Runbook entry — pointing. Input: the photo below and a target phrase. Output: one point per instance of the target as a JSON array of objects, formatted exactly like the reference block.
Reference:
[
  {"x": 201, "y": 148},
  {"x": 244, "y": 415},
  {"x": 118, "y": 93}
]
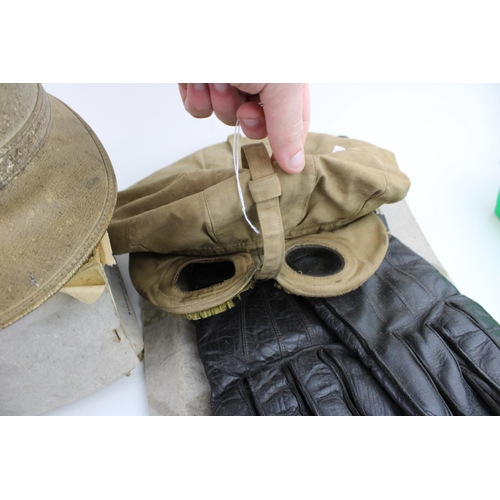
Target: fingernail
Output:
[
  {"x": 199, "y": 86},
  {"x": 251, "y": 122},
  {"x": 221, "y": 87},
  {"x": 297, "y": 163}
]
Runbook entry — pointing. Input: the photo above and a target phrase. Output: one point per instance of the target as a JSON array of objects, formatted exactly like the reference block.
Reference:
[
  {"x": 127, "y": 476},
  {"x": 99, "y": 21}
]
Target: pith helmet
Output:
[{"x": 57, "y": 194}]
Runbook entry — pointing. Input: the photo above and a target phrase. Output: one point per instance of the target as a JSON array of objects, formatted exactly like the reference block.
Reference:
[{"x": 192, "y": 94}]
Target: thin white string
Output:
[{"x": 236, "y": 161}]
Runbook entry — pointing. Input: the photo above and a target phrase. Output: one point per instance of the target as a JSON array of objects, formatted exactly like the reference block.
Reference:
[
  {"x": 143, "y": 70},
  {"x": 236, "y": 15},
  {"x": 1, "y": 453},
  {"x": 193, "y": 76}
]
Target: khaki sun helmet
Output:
[{"x": 57, "y": 194}]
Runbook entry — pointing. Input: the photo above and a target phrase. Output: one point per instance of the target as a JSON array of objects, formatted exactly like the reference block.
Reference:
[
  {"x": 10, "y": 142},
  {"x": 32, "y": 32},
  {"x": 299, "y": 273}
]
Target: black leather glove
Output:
[
  {"x": 434, "y": 350},
  {"x": 272, "y": 355}
]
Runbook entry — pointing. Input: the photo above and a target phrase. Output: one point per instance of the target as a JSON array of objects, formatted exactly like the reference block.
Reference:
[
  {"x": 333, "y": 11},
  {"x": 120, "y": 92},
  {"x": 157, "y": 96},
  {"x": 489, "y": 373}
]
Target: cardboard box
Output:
[{"x": 70, "y": 347}]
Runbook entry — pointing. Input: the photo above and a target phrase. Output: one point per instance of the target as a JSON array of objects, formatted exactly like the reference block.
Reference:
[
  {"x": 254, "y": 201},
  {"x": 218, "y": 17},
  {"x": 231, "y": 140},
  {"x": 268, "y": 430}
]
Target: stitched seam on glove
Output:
[
  {"x": 301, "y": 395},
  {"x": 275, "y": 325},
  {"x": 398, "y": 269},
  {"x": 469, "y": 370},
  {"x": 457, "y": 307},
  {"x": 398, "y": 293},
  {"x": 247, "y": 396},
  {"x": 369, "y": 357},
  {"x": 303, "y": 319},
  {"x": 457, "y": 347},
  {"x": 350, "y": 397},
  {"x": 447, "y": 398},
  {"x": 251, "y": 391},
  {"x": 243, "y": 330}
]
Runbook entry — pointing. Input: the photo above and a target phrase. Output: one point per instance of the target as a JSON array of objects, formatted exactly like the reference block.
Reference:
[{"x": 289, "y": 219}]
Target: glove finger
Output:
[
  {"x": 234, "y": 402},
  {"x": 484, "y": 390},
  {"x": 268, "y": 392},
  {"x": 275, "y": 392},
  {"x": 368, "y": 395},
  {"x": 443, "y": 368},
  {"x": 474, "y": 336},
  {"x": 323, "y": 389},
  {"x": 335, "y": 383},
  {"x": 390, "y": 360}
]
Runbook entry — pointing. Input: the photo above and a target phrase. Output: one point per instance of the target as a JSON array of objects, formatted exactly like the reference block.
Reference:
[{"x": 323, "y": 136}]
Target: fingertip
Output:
[
  {"x": 297, "y": 163},
  {"x": 293, "y": 165},
  {"x": 225, "y": 102},
  {"x": 252, "y": 120},
  {"x": 197, "y": 100},
  {"x": 221, "y": 87},
  {"x": 254, "y": 128}
]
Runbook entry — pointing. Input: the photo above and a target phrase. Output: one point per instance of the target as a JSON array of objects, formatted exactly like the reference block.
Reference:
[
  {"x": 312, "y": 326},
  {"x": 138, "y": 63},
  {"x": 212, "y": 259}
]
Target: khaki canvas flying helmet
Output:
[{"x": 193, "y": 252}]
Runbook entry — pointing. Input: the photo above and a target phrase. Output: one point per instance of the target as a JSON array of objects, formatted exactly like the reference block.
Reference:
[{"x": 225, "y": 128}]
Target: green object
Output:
[{"x": 497, "y": 209}]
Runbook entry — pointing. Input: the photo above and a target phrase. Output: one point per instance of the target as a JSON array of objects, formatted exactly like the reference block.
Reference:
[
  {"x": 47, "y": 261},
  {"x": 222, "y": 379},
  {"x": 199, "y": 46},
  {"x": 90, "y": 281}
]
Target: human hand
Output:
[{"x": 279, "y": 111}]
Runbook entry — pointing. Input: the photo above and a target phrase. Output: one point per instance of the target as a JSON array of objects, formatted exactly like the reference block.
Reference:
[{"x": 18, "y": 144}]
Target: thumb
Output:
[{"x": 286, "y": 111}]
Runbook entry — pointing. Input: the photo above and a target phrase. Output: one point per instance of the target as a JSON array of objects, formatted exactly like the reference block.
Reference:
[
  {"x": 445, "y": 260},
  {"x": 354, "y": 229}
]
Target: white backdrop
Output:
[{"x": 445, "y": 137}]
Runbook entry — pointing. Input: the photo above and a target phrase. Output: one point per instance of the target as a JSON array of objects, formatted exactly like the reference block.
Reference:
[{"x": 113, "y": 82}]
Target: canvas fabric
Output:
[
  {"x": 57, "y": 195},
  {"x": 192, "y": 250}
]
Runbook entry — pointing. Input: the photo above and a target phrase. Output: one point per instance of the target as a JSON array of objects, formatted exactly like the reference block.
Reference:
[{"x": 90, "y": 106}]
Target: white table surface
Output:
[{"x": 445, "y": 137}]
